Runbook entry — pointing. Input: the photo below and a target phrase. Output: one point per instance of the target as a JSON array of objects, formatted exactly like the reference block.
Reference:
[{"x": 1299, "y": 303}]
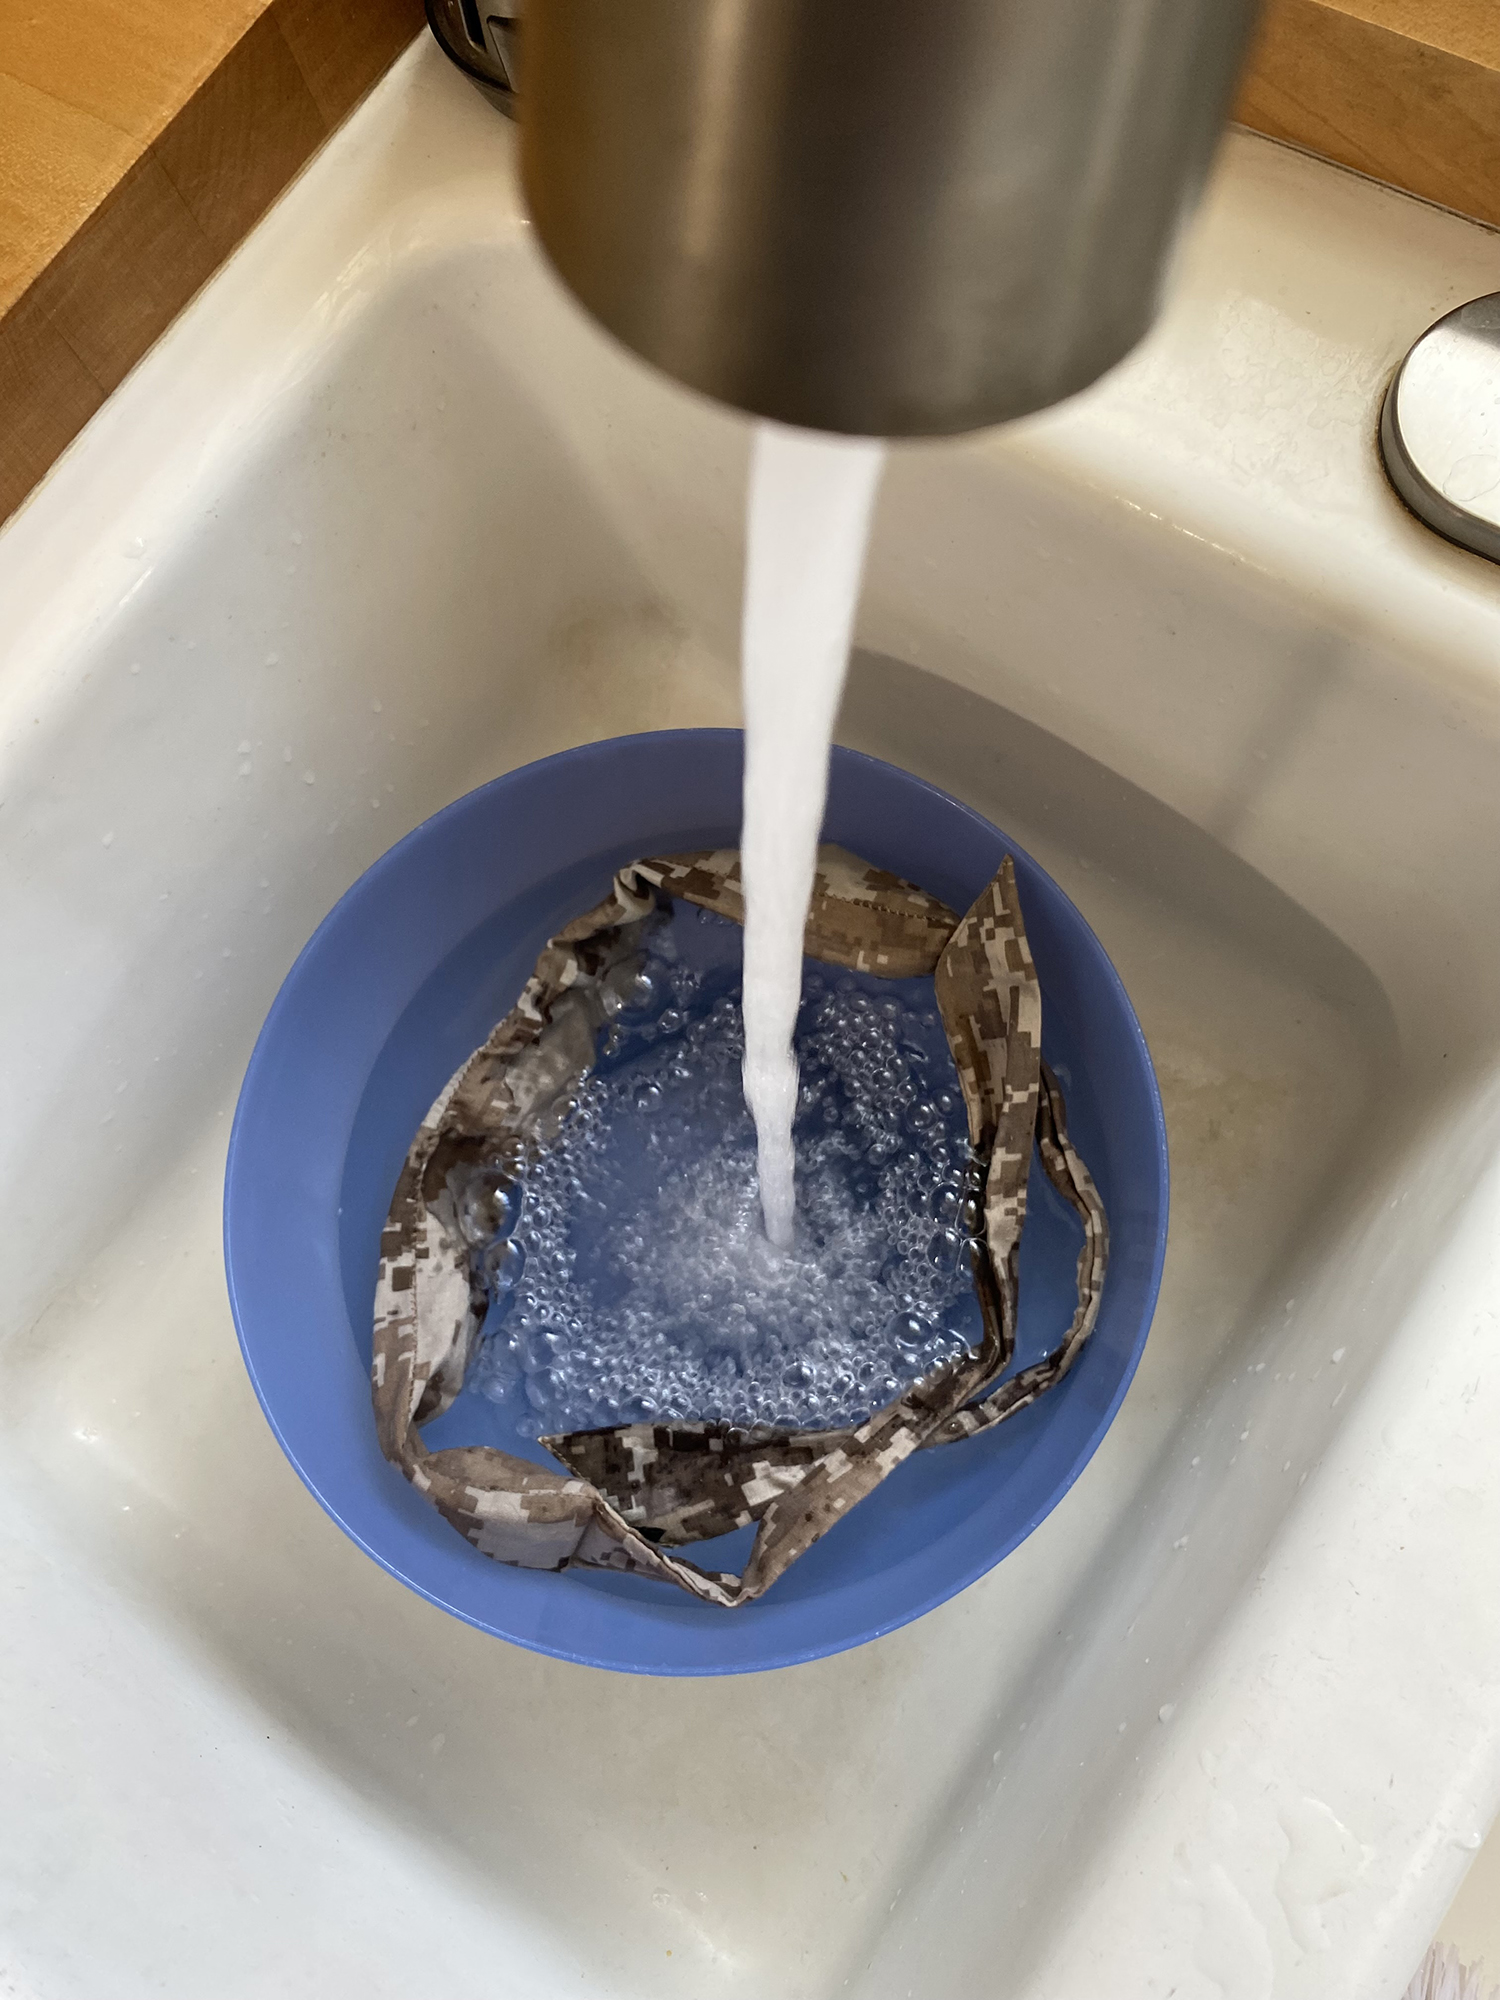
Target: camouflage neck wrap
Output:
[{"x": 633, "y": 1493}]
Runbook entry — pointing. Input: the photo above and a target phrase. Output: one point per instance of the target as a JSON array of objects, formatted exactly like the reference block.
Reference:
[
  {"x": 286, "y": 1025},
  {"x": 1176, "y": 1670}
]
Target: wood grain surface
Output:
[
  {"x": 138, "y": 144},
  {"x": 1405, "y": 90}
]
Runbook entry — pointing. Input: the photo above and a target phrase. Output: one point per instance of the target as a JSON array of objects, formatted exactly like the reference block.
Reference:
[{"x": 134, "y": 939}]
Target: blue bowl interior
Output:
[{"x": 409, "y": 973}]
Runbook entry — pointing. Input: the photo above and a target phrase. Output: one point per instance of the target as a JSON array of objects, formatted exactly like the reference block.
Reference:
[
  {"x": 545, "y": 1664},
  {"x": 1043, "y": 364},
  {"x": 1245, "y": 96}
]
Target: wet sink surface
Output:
[{"x": 381, "y": 519}]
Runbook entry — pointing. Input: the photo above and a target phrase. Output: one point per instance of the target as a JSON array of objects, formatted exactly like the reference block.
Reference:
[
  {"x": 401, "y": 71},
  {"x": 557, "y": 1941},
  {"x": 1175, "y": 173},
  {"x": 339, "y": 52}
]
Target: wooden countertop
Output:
[
  {"x": 1407, "y": 91},
  {"x": 140, "y": 142}
]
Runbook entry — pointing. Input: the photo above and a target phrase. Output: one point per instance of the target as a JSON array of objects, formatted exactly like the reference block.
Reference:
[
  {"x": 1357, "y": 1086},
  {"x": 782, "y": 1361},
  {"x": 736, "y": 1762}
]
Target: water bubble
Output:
[
  {"x": 537, "y": 1348},
  {"x": 502, "y": 1266},
  {"x": 485, "y": 1201},
  {"x": 910, "y": 1332},
  {"x": 944, "y": 1248},
  {"x": 543, "y": 1391},
  {"x": 637, "y": 991}
]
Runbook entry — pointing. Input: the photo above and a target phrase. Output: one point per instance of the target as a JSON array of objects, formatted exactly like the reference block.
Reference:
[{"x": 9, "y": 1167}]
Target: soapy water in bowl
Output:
[
  {"x": 631, "y": 1278},
  {"x": 759, "y": 1209}
]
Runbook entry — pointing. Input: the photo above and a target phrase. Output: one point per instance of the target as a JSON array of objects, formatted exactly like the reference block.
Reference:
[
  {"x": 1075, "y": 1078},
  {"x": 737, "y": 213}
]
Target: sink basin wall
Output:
[{"x": 384, "y": 510}]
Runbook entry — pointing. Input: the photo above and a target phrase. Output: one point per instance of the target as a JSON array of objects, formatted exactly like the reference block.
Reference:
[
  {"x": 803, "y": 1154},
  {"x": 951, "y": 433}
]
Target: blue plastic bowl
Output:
[{"x": 409, "y": 973}]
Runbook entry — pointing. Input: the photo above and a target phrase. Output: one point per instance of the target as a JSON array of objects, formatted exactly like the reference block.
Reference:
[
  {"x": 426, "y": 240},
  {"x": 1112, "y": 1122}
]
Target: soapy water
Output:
[{"x": 630, "y": 1278}]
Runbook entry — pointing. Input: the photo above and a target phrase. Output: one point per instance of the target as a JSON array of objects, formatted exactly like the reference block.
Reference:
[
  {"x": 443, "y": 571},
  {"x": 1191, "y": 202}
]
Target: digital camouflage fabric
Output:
[{"x": 628, "y": 1497}]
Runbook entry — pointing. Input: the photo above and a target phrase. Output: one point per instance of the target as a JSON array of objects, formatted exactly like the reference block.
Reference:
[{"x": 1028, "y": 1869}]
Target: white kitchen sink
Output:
[{"x": 382, "y": 517}]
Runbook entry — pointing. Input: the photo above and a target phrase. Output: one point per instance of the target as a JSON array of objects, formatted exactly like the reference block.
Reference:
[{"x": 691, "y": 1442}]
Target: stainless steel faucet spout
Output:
[{"x": 873, "y": 216}]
